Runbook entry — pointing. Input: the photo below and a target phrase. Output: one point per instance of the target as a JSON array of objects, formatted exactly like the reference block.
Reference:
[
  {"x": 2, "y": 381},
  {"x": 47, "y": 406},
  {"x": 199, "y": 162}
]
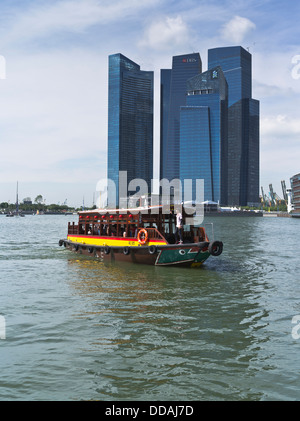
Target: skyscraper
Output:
[
  {"x": 130, "y": 122},
  {"x": 243, "y": 124},
  {"x": 203, "y": 135},
  {"x": 173, "y": 93}
]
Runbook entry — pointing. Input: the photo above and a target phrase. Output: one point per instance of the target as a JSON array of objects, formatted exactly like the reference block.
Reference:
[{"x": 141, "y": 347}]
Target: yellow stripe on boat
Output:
[{"x": 111, "y": 241}]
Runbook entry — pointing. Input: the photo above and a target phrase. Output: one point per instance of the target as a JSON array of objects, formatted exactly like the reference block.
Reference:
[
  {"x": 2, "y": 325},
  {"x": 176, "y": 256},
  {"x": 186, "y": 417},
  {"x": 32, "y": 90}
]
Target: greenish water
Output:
[{"x": 80, "y": 329}]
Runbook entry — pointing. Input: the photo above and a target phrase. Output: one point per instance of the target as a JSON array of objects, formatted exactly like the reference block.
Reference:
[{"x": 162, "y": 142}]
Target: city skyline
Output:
[
  {"x": 209, "y": 126},
  {"x": 53, "y": 93}
]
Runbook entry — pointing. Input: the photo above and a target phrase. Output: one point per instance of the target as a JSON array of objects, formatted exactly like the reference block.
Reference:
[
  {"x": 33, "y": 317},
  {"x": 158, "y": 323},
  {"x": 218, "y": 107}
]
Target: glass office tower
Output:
[
  {"x": 165, "y": 91},
  {"x": 173, "y": 93},
  {"x": 243, "y": 124},
  {"x": 203, "y": 135},
  {"x": 130, "y": 122}
]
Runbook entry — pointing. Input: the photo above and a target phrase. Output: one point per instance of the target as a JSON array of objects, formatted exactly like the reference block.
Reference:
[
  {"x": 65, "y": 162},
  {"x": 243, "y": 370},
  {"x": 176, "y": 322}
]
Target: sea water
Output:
[{"x": 73, "y": 328}]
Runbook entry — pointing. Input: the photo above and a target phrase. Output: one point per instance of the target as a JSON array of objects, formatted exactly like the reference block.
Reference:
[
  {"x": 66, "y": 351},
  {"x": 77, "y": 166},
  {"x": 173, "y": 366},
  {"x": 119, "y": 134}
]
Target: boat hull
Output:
[{"x": 190, "y": 255}]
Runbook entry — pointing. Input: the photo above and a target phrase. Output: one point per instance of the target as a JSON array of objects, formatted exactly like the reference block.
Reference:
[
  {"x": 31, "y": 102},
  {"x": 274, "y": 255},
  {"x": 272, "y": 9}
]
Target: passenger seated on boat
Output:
[
  {"x": 113, "y": 231},
  {"x": 89, "y": 231}
]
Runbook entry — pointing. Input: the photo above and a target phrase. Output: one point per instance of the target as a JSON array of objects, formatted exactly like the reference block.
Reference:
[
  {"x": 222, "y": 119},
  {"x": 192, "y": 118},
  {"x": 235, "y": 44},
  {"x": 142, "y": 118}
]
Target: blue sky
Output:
[{"x": 53, "y": 89}]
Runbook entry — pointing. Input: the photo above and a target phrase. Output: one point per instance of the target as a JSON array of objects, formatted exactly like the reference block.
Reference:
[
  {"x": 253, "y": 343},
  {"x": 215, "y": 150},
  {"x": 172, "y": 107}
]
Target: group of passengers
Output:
[{"x": 110, "y": 230}]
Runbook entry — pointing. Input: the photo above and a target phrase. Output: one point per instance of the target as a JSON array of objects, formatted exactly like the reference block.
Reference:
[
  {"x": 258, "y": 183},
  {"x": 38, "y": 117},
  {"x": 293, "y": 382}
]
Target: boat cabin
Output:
[{"x": 127, "y": 223}]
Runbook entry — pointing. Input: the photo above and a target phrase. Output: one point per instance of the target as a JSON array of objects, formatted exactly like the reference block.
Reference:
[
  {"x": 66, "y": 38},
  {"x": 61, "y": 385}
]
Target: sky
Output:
[{"x": 54, "y": 82}]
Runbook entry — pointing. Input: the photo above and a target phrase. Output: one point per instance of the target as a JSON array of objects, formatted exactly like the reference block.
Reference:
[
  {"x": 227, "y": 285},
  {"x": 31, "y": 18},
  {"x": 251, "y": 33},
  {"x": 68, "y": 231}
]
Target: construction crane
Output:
[
  {"x": 265, "y": 201},
  {"x": 262, "y": 197},
  {"x": 271, "y": 194},
  {"x": 285, "y": 196},
  {"x": 275, "y": 199}
]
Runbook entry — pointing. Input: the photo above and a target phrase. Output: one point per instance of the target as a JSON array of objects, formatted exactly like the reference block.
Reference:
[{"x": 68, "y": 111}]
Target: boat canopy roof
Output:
[
  {"x": 124, "y": 210},
  {"x": 186, "y": 209}
]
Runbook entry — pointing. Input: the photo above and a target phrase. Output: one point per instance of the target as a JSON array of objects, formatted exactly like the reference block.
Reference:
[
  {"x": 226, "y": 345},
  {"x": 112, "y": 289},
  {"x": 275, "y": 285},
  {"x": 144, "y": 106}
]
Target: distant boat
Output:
[{"x": 17, "y": 212}]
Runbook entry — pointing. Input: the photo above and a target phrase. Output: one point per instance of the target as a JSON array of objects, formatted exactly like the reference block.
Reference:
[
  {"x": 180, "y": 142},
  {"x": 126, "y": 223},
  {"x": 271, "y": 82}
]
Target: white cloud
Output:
[
  {"x": 280, "y": 142},
  {"x": 54, "y": 110},
  {"x": 274, "y": 71},
  {"x": 236, "y": 29},
  {"x": 68, "y": 16},
  {"x": 165, "y": 33},
  {"x": 281, "y": 126}
]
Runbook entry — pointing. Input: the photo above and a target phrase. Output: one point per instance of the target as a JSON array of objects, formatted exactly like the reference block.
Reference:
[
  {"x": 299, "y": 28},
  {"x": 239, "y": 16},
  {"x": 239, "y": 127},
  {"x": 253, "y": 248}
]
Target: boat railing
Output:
[
  {"x": 199, "y": 235},
  {"x": 154, "y": 234},
  {"x": 212, "y": 235},
  {"x": 72, "y": 228}
]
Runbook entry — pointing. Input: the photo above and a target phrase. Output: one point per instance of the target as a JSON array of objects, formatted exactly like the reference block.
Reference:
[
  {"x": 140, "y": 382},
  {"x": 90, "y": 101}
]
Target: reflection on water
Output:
[{"x": 172, "y": 324}]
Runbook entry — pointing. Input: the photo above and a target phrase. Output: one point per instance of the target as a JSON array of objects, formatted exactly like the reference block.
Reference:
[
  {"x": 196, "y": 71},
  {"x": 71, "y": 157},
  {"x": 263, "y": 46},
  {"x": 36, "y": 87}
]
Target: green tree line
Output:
[{"x": 39, "y": 205}]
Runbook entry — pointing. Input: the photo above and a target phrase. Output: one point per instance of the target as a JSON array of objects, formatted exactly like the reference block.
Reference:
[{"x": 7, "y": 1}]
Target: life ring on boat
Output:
[
  {"x": 90, "y": 249},
  {"x": 215, "y": 248},
  {"x": 142, "y": 236},
  {"x": 152, "y": 249},
  {"x": 106, "y": 250},
  {"x": 126, "y": 250}
]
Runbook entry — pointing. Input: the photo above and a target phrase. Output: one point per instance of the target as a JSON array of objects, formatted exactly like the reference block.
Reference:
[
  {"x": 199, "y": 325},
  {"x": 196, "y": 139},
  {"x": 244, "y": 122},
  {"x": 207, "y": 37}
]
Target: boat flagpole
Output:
[{"x": 17, "y": 200}]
